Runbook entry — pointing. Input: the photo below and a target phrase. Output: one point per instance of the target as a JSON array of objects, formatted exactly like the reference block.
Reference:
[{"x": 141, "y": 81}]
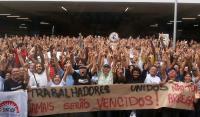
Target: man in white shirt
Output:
[
  {"x": 39, "y": 79},
  {"x": 105, "y": 76},
  {"x": 151, "y": 77}
]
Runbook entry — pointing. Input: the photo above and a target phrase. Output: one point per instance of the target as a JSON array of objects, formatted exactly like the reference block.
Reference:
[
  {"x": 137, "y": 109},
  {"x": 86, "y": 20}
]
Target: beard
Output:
[{"x": 39, "y": 71}]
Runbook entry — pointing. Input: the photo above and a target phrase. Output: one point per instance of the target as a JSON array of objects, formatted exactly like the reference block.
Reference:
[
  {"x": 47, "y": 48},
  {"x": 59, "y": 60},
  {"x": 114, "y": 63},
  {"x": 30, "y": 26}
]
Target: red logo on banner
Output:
[{"x": 9, "y": 106}]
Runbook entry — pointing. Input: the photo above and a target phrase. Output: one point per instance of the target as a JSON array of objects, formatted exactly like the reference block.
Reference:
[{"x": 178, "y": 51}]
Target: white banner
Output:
[{"x": 13, "y": 104}]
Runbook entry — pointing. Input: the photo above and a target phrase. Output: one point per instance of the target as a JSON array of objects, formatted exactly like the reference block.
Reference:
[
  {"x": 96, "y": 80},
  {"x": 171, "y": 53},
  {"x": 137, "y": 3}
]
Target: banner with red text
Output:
[{"x": 47, "y": 101}]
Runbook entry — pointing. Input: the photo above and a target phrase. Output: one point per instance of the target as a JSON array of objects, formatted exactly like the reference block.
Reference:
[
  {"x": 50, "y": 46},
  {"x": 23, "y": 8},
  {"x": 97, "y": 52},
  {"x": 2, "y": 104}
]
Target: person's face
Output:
[
  {"x": 10, "y": 56},
  {"x": 172, "y": 75},
  {"x": 187, "y": 78},
  {"x": 136, "y": 74},
  {"x": 176, "y": 67},
  {"x": 21, "y": 71},
  {"x": 83, "y": 71},
  {"x": 120, "y": 72},
  {"x": 153, "y": 71},
  {"x": 32, "y": 67},
  {"x": 15, "y": 74},
  {"x": 106, "y": 70},
  {"x": 135, "y": 58},
  {"x": 66, "y": 64},
  {"x": 65, "y": 67},
  {"x": 57, "y": 80},
  {"x": 186, "y": 69},
  {"x": 38, "y": 68},
  {"x": 80, "y": 62},
  {"x": 131, "y": 67}
]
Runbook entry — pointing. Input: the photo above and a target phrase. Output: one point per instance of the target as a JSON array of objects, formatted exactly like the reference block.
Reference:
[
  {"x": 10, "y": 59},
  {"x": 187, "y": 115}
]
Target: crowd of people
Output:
[{"x": 30, "y": 62}]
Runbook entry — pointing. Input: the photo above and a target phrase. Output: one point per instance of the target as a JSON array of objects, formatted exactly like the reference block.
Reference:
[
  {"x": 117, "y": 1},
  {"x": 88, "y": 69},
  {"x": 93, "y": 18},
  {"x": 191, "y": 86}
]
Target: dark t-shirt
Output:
[
  {"x": 11, "y": 85},
  {"x": 2, "y": 74},
  {"x": 130, "y": 79},
  {"x": 119, "y": 80},
  {"x": 81, "y": 80}
]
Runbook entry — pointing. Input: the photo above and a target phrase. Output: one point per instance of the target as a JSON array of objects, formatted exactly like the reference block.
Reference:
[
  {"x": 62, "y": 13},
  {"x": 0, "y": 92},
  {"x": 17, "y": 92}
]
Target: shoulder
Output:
[{"x": 7, "y": 81}]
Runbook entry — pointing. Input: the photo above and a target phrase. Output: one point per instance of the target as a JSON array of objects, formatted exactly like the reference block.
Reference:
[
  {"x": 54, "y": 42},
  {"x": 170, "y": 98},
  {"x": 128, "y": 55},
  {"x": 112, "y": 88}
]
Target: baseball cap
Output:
[{"x": 106, "y": 65}]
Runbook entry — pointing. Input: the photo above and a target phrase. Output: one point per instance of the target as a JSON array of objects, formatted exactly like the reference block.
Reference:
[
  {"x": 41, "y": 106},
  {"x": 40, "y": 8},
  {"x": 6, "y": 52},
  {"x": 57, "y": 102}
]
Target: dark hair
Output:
[
  {"x": 186, "y": 73},
  {"x": 136, "y": 69},
  {"x": 119, "y": 68},
  {"x": 56, "y": 75},
  {"x": 118, "y": 79},
  {"x": 172, "y": 69},
  {"x": 153, "y": 66}
]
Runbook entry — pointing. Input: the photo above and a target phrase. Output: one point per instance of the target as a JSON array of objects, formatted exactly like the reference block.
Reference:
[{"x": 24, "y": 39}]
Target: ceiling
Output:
[{"x": 95, "y": 17}]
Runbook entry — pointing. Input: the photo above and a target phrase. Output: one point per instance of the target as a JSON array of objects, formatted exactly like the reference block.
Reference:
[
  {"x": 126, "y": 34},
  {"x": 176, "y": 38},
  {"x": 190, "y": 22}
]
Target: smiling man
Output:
[{"x": 17, "y": 81}]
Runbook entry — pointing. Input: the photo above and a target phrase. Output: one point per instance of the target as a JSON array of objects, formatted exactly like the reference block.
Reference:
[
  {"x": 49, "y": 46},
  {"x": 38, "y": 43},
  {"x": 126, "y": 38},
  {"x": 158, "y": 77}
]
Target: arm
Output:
[
  {"x": 163, "y": 72},
  {"x": 26, "y": 77},
  {"x": 21, "y": 60},
  {"x": 94, "y": 65},
  {"x": 65, "y": 75},
  {"x": 32, "y": 55},
  {"x": 46, "y": 66},
  {"x": 3, "y": 62},
  {"x": 153, "y": 51},
  {"x": 100, "y": 60}
]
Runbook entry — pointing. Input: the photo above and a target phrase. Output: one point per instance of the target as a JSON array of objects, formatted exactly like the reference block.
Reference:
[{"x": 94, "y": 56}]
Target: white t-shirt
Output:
[
  {"x": 41, "y": 79},
  {"x": 152, "y": 80},
  {"x": 30, "y": 73},
  {"x": 103, "y": 80},
  {"x": 61, "y": 84}
]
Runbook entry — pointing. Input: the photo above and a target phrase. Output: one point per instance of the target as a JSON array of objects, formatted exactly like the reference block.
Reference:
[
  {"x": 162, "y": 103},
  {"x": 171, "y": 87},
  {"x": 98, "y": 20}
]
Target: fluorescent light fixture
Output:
[
  {"x": 22, "y": 18},
  {"x": 23, "y": 24},
  {"x": 64, "y": 8},
  {"x": 5, "y": 14},
  {"x": 176, "y": 21},
  {"x": 169, "y": 23},
  {"x": 196, "y": 25},
  {"x": 22, "y": 27},
  {"x": 44, "y": 23},
  {"x": 188, "y": 18},
  {"x": 13, "y": 16},
  {"x": 126, "y": 9}
]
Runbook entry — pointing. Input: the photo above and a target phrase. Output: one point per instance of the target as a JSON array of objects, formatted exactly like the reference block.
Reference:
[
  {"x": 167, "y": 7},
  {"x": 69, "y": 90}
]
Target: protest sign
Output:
[{"x": 47, "y": 101}]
